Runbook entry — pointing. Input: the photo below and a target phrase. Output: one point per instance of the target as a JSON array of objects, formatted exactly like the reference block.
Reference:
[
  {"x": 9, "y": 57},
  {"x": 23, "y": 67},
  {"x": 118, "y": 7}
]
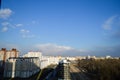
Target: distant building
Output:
[
  {"x": 21, "y": 67},
  {"x": 88, "y": 57},
  {"x": 5, "y": 54},
  {"x": 108, "y": 57},
  {"x": 116, "y": 57},
  {"x": 80, "y": 57},
  {"x": 71, "y": 58},
  {"x": 33, "y": 54}
]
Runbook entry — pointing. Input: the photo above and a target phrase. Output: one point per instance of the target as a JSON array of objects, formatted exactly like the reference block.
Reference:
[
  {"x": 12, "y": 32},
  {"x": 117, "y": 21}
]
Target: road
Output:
[{"x": 77, "y": 74}]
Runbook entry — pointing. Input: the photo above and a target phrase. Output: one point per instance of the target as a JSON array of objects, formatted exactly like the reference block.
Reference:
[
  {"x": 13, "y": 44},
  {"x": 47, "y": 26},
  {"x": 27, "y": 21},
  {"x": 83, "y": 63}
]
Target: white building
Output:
[
  {"x": 48, "y": 60},
  {"x": 33, "y": 54},
  {"x": 71, "y": 58},
  {"x": 108, "y": 57}
]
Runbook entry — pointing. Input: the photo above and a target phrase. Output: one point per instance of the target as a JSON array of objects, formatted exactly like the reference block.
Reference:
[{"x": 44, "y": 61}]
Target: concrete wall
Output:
[{"x": 21, "y": 67}]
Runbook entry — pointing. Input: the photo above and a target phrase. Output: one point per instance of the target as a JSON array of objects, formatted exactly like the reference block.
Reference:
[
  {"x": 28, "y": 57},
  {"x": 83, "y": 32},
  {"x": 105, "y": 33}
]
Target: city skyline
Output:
[{"x": 61, "y": 27}]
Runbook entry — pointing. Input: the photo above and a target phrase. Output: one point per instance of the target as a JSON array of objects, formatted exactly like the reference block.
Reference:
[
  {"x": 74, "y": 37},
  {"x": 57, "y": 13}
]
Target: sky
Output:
[{"x": 61, "y": 27}]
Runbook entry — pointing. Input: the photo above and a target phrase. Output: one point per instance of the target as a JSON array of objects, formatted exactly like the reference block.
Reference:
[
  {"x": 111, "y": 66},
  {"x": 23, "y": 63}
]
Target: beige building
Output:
[{"x": 5, "y": 54}]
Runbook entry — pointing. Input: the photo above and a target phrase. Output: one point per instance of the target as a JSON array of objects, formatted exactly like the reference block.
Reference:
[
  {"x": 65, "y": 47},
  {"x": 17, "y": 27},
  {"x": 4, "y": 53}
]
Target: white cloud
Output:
[
  {"x": 26, "y": 33},
  {"x": 9, "y": 24},
  {"x": 5, "y": 13},
  {"x": 53, "y": 46},
  {"x": 4, "y": 29},
  {"x": 6, "y": 26},
  {"x": 53, "y": 49},
  {"x": 18, "y": 25},
  {"x": 108, "y": 23}
]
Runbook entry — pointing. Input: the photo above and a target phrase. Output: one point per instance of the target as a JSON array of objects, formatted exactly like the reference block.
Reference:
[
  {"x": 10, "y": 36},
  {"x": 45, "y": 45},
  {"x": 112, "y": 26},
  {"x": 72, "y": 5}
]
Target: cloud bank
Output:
[{"x": 57, "y": 50}]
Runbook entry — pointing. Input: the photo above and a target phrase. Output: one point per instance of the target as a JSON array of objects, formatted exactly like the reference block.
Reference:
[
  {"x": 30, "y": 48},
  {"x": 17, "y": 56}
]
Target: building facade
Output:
[
  {"x": 5, "y": 54},
  {"x": 21, "y": 67}
]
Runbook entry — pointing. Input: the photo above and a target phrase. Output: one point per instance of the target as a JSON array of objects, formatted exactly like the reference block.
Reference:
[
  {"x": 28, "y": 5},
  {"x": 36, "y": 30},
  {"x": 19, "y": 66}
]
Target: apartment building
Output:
[{"x": 5, "y": 54}]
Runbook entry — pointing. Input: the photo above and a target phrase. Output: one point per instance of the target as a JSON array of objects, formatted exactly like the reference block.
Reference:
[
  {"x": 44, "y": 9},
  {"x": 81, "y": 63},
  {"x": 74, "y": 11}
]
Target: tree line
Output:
[{"x": 106, "y": 69}]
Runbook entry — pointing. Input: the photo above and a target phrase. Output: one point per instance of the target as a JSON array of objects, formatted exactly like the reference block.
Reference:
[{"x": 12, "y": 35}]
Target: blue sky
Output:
[{"x": 61, "y": 27}]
